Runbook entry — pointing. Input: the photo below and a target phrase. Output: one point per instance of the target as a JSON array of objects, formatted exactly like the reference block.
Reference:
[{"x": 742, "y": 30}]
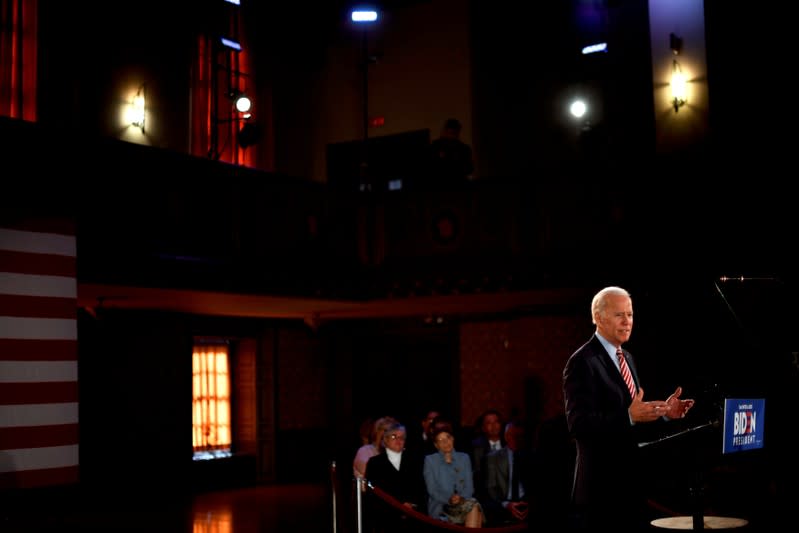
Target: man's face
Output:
[
  {"x": 615, "y": 322},
  {"x": 450, "y": 133},
  {"x": 428, "y": 420},
  {"x": 492, "y": 427}
]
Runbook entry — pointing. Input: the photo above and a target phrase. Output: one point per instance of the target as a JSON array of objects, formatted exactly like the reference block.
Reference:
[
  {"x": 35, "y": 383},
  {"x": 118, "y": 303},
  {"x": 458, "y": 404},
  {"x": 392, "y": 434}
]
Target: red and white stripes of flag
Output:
[{"x": 38, "y": 354}]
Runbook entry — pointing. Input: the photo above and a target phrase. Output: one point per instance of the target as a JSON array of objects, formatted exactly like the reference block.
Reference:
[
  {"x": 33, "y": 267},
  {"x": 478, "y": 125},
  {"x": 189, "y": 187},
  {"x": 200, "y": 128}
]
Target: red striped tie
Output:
[{"x": 625, "y": 372}]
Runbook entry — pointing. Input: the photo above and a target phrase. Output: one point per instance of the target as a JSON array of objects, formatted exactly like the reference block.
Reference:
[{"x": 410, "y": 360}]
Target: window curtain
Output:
[{"x": 18, "y": 59}]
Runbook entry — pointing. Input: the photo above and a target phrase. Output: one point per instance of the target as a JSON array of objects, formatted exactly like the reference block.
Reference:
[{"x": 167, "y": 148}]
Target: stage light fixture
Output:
[
  {"x": 243, "y": 103},
  {"x": 363, "y": 14},
  {"x": 230, "y": 43}
]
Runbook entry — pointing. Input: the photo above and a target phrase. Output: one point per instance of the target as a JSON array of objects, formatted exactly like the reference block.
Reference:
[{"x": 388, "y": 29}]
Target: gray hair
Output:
[
  {"x": 600, "y": 300},
  {"x": 392, "y": 429}
]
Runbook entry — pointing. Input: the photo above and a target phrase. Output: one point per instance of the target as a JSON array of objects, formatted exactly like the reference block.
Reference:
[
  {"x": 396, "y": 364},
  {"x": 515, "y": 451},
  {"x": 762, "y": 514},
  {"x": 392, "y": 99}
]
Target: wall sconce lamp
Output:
[
  {"x": 137, "y": 109},
  {"x": 679, "y": 85}
]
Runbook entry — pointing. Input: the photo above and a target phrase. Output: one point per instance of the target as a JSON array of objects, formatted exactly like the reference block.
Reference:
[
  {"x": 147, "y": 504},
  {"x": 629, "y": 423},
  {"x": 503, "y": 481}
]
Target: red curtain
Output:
[
  {"x": 18, "y": 59},
  {"x": 201, "y": 100},
  {"x": 219, "y": 71}
]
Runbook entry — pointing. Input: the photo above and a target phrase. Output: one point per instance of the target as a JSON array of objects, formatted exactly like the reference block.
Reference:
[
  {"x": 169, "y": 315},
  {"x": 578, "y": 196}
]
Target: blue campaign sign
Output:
[{"x": 743, "y": 424}]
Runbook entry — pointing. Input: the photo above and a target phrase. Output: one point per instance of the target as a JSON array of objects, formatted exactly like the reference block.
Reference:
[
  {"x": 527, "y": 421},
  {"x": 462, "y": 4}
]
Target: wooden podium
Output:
[{"x": 710, "y": 522}]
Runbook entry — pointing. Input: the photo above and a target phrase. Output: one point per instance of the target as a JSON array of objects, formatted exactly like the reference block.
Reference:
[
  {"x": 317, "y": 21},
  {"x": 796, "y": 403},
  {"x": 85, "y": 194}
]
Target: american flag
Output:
[{"x": 38, "y": 354}]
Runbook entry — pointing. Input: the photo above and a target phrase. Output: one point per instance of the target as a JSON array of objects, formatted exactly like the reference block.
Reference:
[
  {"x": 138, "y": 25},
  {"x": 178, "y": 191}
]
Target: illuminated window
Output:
[
  {"x": 219, "y": 521},
  {"x": 211, "y": 401}
]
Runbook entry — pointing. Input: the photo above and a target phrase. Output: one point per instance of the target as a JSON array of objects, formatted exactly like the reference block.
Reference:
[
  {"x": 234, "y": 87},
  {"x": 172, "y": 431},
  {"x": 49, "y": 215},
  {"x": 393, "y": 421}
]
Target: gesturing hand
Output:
[
  {"x": 641, "y": 411},
  {"x": 675, "y": 407}
]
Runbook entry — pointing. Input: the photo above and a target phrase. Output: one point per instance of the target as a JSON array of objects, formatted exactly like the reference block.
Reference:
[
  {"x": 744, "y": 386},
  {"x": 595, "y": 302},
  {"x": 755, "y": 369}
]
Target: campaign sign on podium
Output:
[{"x": 743, "y": 424}]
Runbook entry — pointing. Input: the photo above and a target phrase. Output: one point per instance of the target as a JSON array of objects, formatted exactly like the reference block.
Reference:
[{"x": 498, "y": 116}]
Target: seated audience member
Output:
[
  {"x": 422, "y": 442},
  {"x": 398, "y": 472},
  {"x": 507, "y": 478},
  {"x": 374, "y": 447},
  {"x": 489, "y": 438},
  {"x": 365, "y": 431},
  {"x": 449, "y": 482}
]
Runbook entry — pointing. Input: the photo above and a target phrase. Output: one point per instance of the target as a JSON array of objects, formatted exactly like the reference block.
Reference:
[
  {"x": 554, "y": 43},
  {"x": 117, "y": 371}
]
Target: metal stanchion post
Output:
[
  {"x": 334, "y": 484},
  {"x": 359, "y": 486}
]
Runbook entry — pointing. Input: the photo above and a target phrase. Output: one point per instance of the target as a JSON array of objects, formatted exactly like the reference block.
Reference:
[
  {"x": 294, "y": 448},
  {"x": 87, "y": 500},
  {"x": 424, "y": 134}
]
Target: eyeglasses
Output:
[
  {"x": 442, "y": 438},
  {"x": 396, "y": 437}
]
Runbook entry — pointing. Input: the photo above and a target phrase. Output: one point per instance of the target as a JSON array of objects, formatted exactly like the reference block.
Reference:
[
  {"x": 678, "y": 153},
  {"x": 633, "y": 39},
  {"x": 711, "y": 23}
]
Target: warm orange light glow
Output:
[
  {"x": 220, "y": 521},
  {"x": 679, "y": 86},
  {"x": 211, "y": 398}
]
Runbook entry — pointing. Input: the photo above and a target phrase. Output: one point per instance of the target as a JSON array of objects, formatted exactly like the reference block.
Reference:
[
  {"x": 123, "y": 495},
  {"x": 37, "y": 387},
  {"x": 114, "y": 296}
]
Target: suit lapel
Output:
[{"x": 504, "y": 469}]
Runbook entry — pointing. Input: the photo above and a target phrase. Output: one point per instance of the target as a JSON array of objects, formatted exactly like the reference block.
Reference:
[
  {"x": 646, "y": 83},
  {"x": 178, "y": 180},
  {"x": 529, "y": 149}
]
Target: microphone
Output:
[{"x": 709, "y": 424}]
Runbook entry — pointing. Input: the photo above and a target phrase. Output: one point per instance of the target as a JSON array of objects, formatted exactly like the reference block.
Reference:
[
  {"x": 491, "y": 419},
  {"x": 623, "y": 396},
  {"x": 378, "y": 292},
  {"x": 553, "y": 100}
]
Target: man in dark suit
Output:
[
  {"x": 421, "y": 443},
  {"x": 508, "y": 479},
  {"x": 397, "y": 472},
  {"x": 604, "y": 412},
  {"x": 490, "y": 426}
]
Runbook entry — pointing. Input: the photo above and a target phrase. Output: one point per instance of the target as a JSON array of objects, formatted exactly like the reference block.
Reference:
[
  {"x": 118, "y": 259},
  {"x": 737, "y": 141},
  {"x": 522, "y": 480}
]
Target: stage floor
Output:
[{"x": 273, "y": 508}]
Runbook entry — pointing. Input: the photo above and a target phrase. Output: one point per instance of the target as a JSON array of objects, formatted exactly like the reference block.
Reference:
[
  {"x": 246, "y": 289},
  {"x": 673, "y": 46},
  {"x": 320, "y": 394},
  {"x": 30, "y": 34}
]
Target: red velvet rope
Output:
[{"x": 413, "y": 513}]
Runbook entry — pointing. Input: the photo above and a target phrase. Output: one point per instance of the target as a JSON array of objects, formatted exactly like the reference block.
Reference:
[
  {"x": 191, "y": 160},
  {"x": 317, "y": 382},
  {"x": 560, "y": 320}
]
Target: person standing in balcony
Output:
[{"x": 450, "y": 159}]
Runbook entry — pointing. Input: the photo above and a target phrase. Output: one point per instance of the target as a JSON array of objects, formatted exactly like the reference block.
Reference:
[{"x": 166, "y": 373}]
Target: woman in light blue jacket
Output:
[{"x": 450, "y": 487}]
